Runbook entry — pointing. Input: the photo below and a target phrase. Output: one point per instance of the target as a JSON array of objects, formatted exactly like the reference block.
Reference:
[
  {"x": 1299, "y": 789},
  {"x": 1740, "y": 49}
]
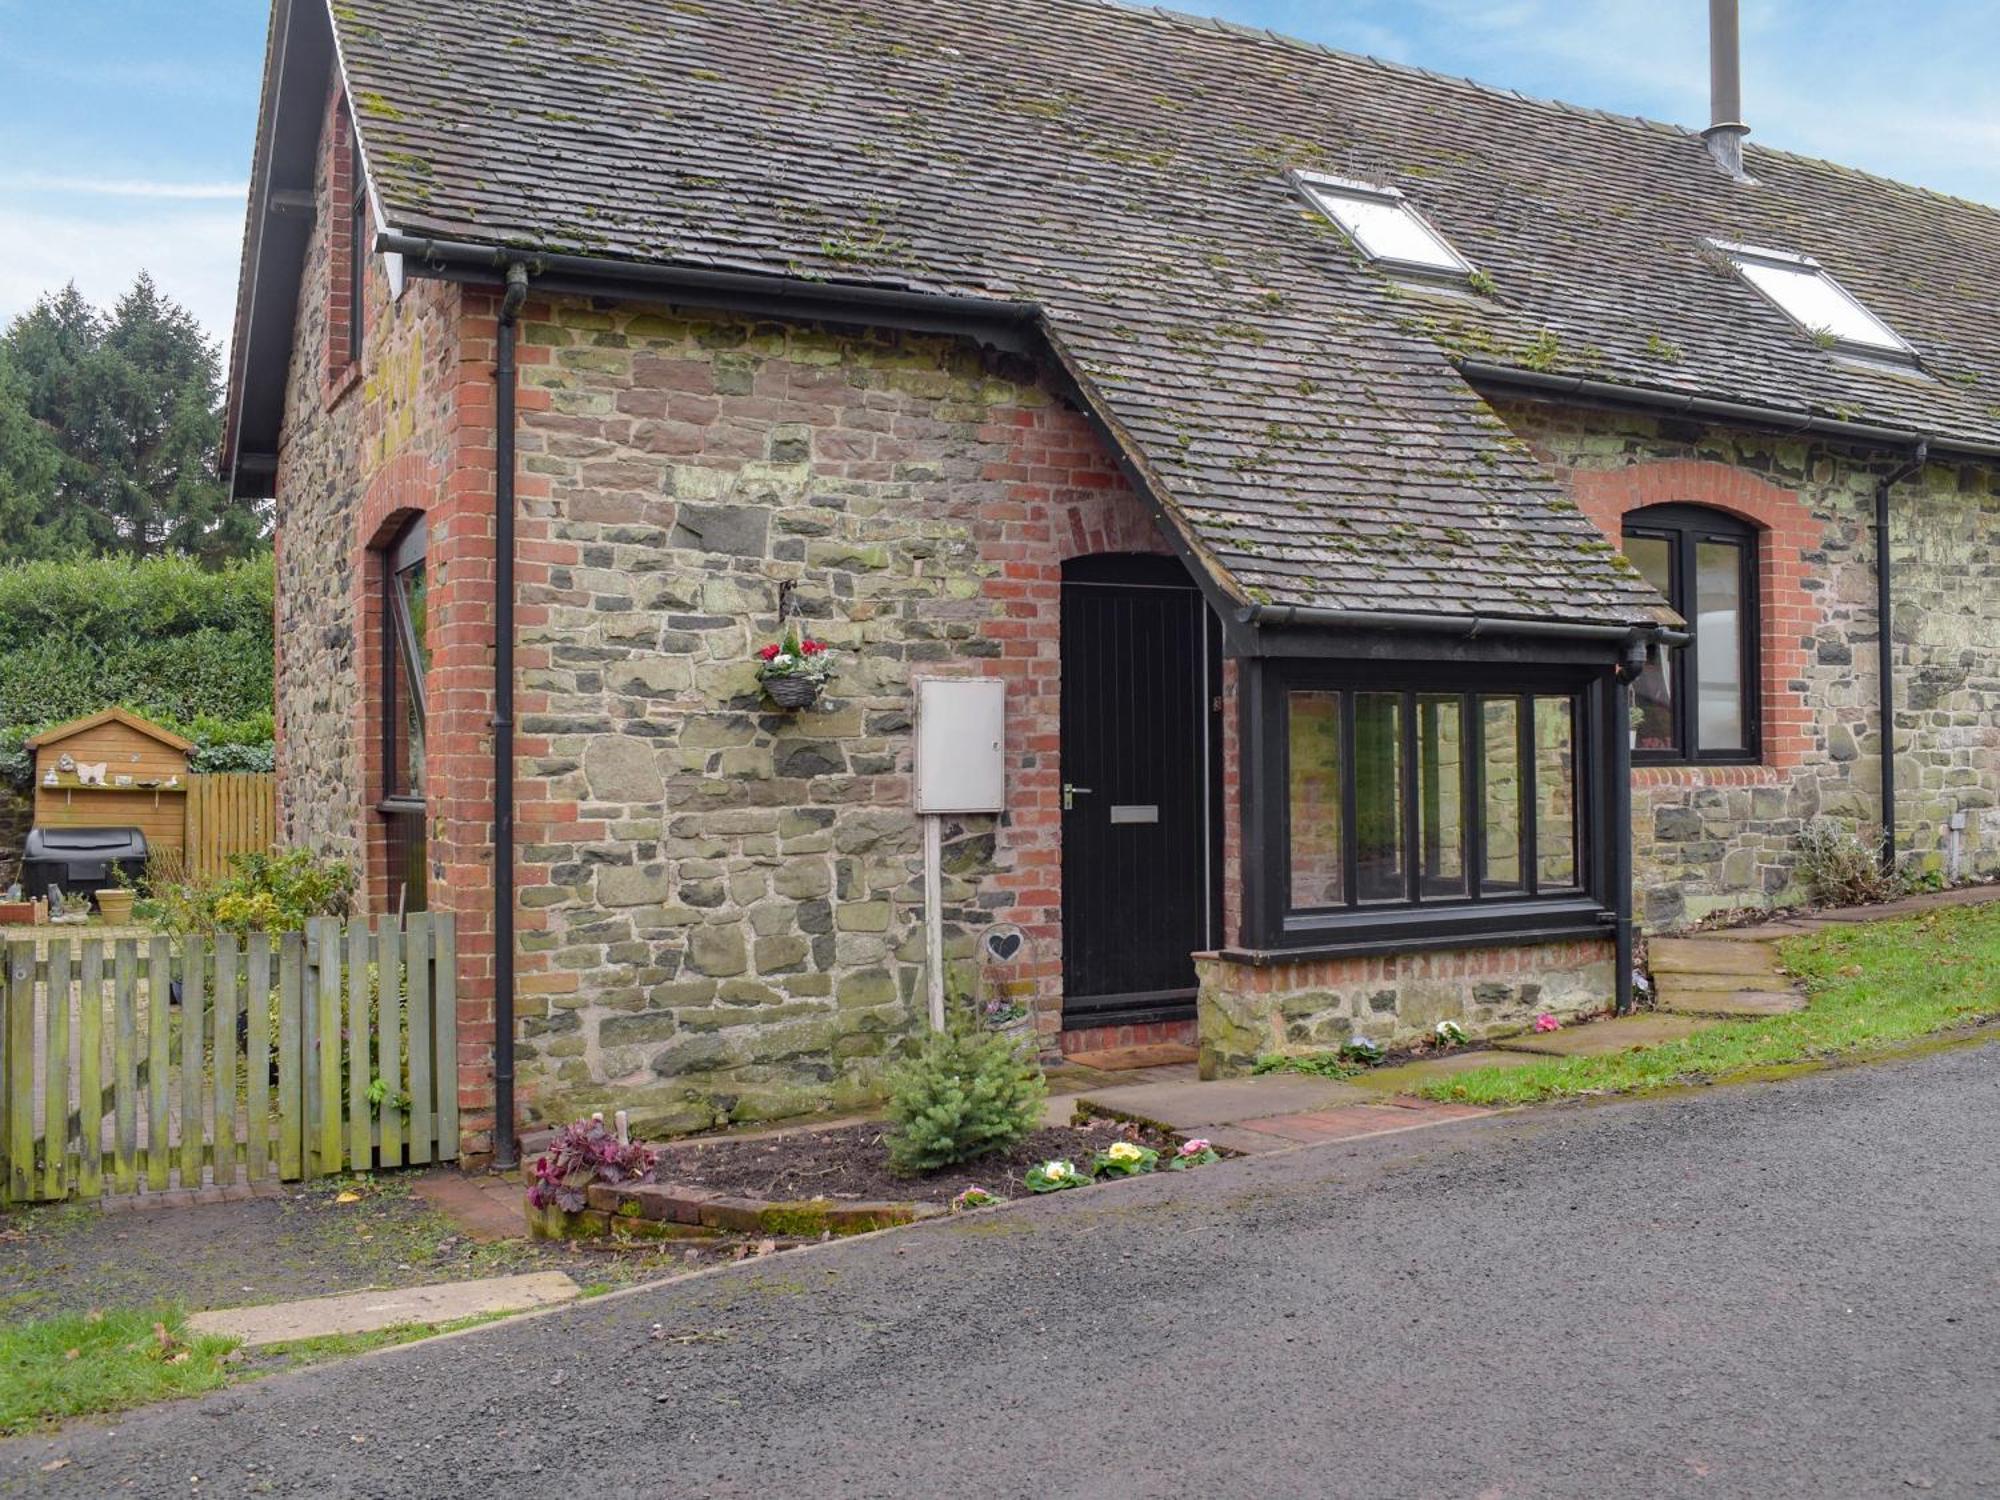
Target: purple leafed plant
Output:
[{"x": 582, "y": 1153}]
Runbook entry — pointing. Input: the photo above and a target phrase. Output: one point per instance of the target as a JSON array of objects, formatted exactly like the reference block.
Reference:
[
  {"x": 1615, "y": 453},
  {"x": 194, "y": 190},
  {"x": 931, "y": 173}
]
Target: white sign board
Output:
[{"x": 961, "y": 744}]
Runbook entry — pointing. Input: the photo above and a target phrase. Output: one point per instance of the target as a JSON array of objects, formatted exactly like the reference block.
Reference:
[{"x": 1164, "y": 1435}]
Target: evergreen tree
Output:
[{"x": 131, "y": 404}]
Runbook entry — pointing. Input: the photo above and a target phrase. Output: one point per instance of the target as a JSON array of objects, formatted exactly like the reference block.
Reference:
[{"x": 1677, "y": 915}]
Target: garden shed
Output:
[{"x": 113, "y": 769}]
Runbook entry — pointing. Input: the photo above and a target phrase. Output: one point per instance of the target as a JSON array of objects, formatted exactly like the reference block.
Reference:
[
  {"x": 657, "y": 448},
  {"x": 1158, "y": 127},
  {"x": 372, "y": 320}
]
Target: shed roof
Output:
[{"x": 109, "y": 716}]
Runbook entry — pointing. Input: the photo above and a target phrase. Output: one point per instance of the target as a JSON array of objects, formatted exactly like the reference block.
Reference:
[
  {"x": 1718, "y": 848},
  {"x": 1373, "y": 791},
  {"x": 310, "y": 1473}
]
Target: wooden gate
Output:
[
  {"x": 191, "y": 1061},
  {"x": 229, "y": 813}
]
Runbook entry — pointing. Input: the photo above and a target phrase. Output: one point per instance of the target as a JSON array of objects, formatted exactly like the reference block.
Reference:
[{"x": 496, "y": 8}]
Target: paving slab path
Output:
[{"x": 366, "y": 1312}]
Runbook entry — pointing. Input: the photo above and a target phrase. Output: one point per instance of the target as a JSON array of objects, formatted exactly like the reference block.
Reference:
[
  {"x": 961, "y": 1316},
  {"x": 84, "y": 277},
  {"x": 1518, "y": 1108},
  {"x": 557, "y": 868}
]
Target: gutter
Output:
[
  {"x": 505, "y": 382},
  {"x": 1467, "y": 626},
  {"x": 1884, "y": 651},
  {"x": 1008, "y": 324},
  {"x": 1680, "y": 403}
]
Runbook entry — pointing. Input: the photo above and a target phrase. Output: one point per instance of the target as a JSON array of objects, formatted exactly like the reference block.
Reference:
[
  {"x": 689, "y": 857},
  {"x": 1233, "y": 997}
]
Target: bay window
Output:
[{"x": 1390, "y": 804}]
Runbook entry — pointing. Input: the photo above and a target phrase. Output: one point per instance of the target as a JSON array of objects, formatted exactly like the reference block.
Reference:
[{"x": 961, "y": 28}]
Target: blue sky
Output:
[{"x": 125, "y": 125}]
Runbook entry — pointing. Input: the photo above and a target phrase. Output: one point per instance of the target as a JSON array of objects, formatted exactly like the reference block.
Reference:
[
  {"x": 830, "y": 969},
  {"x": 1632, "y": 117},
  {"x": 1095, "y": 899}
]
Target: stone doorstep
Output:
[
  {"x": 367, "y": 1312},
  {"x": 1735, "y": 1004},
  {"x": 1603, "y": 1038},
  {"x": 1712, "y": 955},
  {"x": 1715, "y": 983}
]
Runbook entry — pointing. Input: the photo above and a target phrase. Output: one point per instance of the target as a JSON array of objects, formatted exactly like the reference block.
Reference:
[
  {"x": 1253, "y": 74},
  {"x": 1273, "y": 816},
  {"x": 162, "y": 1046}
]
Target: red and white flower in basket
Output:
[{"x": 795, "y": 656}]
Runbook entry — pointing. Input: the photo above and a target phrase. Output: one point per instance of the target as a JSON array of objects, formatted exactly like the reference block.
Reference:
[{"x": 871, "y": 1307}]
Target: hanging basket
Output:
[{"x": 793, "y": 692}]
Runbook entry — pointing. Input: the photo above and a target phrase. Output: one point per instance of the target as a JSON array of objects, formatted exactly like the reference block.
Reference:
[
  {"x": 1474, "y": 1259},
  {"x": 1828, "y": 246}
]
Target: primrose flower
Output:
[
  {"x": 1194, "y": 1147},
  {"x": 1124, "y": 1151},
  {"x": 1547, "y": 1022},
  {"x": 1058, "y": 1171}
]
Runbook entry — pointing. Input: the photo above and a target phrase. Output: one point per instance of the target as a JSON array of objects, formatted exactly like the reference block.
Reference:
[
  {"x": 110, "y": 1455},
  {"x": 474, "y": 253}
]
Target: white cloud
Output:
[{"x": 191, "y": 253}]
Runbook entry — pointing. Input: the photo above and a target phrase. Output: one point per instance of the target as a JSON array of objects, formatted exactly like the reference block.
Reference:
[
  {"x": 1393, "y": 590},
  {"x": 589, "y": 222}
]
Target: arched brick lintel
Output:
[{"x": 1788, "y": 613}]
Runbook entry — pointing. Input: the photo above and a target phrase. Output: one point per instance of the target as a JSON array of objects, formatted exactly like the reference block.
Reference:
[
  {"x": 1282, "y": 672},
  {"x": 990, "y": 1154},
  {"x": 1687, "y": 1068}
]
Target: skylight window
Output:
[
  {"x": 1384, "y": 224},
  {"x": 1805, "y": 293}
]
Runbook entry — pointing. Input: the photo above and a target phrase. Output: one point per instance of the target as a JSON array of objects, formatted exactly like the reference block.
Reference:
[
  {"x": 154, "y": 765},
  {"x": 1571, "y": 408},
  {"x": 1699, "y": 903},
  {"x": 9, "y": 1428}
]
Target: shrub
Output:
[
  {"x": 1838, "y": 869},
  {"x": 262, "y": 893},
  {"x": 582, "y": 1153},
  {"x": 967, "y": 1092}
]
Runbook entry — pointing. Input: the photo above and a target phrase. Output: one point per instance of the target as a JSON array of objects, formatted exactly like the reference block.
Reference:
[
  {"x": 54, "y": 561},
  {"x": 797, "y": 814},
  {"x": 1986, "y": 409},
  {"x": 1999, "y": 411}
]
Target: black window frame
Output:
[
  {"x": 1684, "y": 527},
  {"x": 1271, "y": 924},
  {"x": 404, "y": 809}
]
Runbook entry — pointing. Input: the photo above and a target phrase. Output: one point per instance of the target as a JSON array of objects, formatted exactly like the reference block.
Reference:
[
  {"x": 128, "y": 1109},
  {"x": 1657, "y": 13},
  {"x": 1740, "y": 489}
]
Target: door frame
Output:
[{"x": 1160, "y": 570}]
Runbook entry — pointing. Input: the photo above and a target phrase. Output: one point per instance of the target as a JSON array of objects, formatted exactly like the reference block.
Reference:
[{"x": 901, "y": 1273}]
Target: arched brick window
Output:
[
  {"x": 1699, "y": 704},
  {"x": 1786, "y": 534}
]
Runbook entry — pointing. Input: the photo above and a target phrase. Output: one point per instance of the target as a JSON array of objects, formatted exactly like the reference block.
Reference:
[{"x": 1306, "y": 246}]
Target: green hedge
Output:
[{"x": 187, "y": 647}]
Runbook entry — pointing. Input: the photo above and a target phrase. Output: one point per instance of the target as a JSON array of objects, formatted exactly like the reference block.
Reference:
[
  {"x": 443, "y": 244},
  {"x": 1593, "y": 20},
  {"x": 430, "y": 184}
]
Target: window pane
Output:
[
  {"x": 1500, "y": 721},
  {"x": 1819, "y": 303},
  {"x": 1718, "y": 626},
  {"x": 1388, "y": 230},
  {"x": 1314, "y": 799},
  {"x": 1653, "y": 692},
  {"x": 1378, "y": 796},
  {"x": 409, "y": 627},
  {"x": 1441, "y": 795},
  {"x": 1555, "y": 794}
]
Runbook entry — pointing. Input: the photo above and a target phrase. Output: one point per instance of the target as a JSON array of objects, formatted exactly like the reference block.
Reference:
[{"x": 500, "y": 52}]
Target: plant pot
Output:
[
  {"x": 115, "y": 906},
  {"x": 793, "y": 692}
]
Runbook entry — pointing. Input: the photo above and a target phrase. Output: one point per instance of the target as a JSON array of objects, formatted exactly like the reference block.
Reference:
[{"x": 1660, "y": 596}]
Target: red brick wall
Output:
[
  {"x": 366, "y": 445},
  {"x": 1063, "y": 498},
  {"x": 337, "y": 140}
]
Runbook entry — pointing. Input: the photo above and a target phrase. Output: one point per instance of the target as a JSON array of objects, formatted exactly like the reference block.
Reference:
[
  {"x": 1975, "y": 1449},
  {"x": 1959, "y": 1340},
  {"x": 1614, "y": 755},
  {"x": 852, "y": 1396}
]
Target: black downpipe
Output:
[
  {"x": 1886, "y": 666},
  {"x": 1624, "y": 930},
  {"x": 505, "y": 1154}
]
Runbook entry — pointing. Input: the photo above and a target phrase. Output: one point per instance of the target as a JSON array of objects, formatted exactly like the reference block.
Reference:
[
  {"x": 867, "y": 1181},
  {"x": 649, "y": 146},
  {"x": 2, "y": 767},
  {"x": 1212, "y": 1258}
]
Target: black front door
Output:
[{"x": 1140, "y": 671}]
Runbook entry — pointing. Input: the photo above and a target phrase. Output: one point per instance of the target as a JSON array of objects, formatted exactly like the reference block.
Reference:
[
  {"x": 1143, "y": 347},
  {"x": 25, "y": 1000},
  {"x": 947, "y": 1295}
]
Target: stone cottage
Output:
[{"x": 1421, "y": 534}]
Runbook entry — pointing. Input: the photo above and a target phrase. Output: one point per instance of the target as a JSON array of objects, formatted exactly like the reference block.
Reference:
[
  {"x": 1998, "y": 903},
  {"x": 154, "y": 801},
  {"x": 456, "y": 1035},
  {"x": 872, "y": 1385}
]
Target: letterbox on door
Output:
[{"x": 961, "y": 745}]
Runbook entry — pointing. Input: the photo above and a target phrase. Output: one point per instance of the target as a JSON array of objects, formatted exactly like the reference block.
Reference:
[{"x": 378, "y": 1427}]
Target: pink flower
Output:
[
  {"x": 1547, "y": 1022},
  {"x": 1194, "y": 1147}
]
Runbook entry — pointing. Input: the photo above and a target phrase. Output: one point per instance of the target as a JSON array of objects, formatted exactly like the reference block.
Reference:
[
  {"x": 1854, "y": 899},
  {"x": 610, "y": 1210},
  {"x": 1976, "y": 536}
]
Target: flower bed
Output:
[{"x": 806, "y": 1184}]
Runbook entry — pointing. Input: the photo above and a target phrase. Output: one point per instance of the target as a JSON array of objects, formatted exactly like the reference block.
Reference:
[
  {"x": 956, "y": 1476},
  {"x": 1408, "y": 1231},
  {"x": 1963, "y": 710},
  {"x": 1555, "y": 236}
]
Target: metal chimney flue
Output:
[{"x": 1725, "y": 90}]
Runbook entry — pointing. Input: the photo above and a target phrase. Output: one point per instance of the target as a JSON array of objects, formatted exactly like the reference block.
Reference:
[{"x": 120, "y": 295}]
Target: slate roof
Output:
[{"x": 1125, "y": 170}]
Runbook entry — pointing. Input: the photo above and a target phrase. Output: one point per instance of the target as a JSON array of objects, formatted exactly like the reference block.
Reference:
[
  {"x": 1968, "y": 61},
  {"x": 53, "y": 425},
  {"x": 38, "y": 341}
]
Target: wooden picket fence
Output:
[
  {"x": 190, "y": 1061},
  {"x": 228, "y": 813}
]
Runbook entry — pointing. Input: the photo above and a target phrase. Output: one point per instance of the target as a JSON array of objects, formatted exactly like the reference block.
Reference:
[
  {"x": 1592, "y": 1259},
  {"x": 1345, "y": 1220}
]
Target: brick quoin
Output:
[
  {"x": 1063, "y": 499},
  {"x": 1788, "y": 614},
  {"x": 341, "y": 373}
]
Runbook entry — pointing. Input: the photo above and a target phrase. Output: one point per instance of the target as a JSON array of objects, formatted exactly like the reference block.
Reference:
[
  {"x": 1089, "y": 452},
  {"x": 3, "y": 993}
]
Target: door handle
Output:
[{"x": 1071, "y": 793}]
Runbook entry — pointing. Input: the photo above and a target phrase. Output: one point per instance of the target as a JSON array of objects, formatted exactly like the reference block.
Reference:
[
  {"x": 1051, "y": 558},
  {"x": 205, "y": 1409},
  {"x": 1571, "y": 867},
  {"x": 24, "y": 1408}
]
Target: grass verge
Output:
[
  {"x": 83, "y": 1364},
  {"x": 1870, "y": 985},
  {"x": 75, "y": 1364}
]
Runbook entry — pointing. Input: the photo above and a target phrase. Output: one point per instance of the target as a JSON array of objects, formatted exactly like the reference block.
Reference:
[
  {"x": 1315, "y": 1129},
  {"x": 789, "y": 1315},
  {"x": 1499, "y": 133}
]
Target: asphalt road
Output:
[{"x": 1782, "y": 1289}]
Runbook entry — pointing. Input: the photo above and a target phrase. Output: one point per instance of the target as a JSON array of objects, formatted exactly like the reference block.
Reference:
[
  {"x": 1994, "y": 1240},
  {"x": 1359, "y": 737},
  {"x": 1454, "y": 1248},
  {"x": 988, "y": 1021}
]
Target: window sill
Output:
[
  {"x": 1418, "y": 931},
  {"x": 340, "y": 383},
  {"x": 1708, "y": 773}
]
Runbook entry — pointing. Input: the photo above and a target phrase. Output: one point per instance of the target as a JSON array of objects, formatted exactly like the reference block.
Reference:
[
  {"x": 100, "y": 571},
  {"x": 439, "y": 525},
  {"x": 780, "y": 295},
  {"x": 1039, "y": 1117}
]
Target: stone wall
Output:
[
  {"x": 723, "y": 916},
  {"x": 1289, "y": 1009},
  {"x": 1709, "y": 839}
]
